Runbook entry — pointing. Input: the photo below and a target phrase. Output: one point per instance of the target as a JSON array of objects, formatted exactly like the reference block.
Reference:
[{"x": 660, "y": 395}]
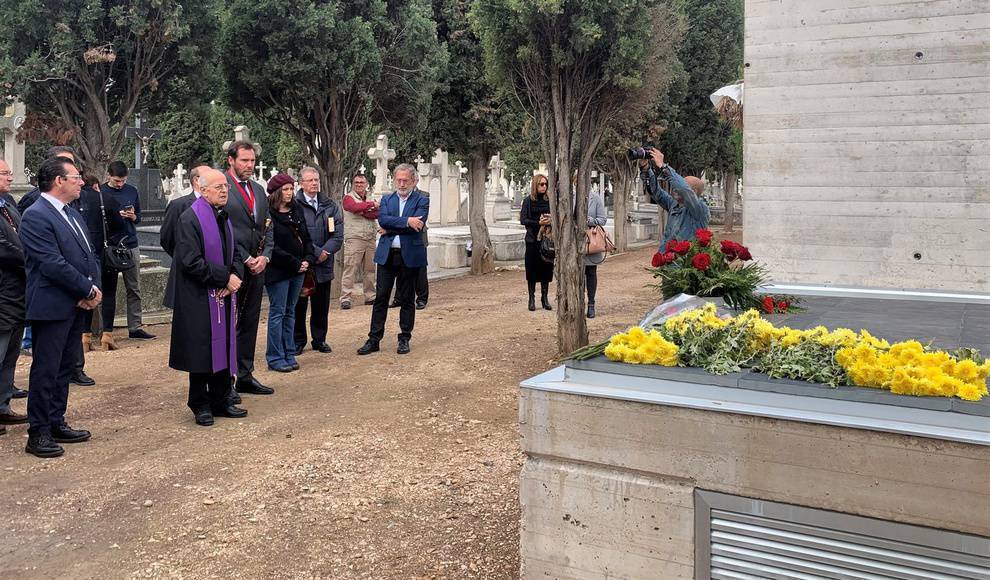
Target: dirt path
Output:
[{"x": 358, "y": 467}]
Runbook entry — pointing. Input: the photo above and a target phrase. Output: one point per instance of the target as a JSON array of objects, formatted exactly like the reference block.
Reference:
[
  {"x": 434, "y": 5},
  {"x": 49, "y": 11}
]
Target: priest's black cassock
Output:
[{"x": 204, "y": 339}]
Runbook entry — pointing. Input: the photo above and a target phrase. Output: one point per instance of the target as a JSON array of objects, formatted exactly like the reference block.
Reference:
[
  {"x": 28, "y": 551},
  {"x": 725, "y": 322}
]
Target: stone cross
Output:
[
  {"x": 143, "y": 135},
  {"x": 241, "y": 133},
  {"x": 497, "y": 167},
  {"x": 382, "y": 155},
  {"x": 260, "y": 168},
  {"x": 180, "y": 178},
  {"x": 13, "y": 152},
  {"x": 362, "y": 169}
]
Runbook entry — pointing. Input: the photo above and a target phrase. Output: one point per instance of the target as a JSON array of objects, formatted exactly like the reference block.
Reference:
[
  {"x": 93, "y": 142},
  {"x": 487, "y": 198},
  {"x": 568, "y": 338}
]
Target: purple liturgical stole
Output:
[{"x": 222, "y": 342}]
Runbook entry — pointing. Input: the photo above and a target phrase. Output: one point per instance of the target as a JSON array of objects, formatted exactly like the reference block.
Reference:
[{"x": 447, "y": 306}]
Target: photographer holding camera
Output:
[{"x": 686, "y": 211}]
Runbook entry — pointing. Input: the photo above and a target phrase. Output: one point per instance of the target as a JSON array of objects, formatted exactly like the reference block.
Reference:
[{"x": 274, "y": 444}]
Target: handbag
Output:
[
  {"x": 547, "y": 250},
  {"x": 598, "y": 242},
  {"x": 116, "y": 258},
  {"x": 309, "y": 284}
]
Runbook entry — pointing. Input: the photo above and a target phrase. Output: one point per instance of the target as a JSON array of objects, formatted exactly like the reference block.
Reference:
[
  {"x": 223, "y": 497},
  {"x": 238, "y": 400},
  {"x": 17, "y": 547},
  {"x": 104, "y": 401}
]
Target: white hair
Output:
[{"x": 408, "y": 168}]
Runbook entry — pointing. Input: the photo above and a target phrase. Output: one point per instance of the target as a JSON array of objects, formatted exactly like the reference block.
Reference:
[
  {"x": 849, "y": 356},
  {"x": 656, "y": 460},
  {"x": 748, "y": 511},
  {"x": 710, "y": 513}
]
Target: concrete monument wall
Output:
[{"x": 867, "y": 153}]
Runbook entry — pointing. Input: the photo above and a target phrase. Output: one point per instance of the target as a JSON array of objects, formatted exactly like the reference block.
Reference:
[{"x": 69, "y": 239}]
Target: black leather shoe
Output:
[
  {"x": 42, "y": 445},
  {"x": 19, "y": 394},
  {"x": 3, "y": 430},
  {"x": 295, "y": 366},
  {"x": 546, "y": 303},
  {"x": 420, "y": 304},
  {"x": 140, "y": 334},
  {"x": 251, "y": 386},
  {"x": 394, "y": 304},
  {"x": 403, "y": 347},
  {"x": 230, "y": 411},
  {"x": 369, "y": 347},
  {"x": 532, "y": 303},
  {"x": 345, "y": 305},
  {"x": 322, "y": 347},
  {"x": 591, "y": 310},
  {"x": 300, "y": 349},
  {"x": 82, "y": 379},
  {"x": 204, "y": 418},
  {"x": 65, "y": 434},
  {"x": 281, "y": 369},
  {"x": 12, "y": 418}
]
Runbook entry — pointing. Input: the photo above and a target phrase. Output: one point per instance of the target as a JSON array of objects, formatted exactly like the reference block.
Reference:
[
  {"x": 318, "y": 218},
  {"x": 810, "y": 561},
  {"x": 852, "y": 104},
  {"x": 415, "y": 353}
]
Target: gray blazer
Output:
[
  {"x": 248, "y": 229},
  {"x": 597, "y": 216}
]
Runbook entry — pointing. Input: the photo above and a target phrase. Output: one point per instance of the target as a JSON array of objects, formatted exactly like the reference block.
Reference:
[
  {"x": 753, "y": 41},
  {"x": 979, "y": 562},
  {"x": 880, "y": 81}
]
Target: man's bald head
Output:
[
  {"x": 6, "y": 177},
  {"x": 214, "y": 186},
  {"x": 194, "y": 174},
  {"x": 697, "y": 185}
]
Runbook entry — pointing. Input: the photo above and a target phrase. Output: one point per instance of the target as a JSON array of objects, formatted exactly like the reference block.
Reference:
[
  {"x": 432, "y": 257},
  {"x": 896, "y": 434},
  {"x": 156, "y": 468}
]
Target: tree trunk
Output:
[
  {"x": 622, "y": 179},
  {"x": 482, "y": 250},
  {"x": 730, "y": 200}
]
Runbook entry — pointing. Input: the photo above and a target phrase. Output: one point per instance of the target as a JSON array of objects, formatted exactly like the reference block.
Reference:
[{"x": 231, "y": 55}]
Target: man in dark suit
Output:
[
  {"x": 32, "y": 196},
  {"x": 247, "y": 207},
  {"x": 62, "y": 277},
  {"x": 11, "y": 298},
  {"x": 175, "y": 209},
  {"x": 400, "y": 255}
]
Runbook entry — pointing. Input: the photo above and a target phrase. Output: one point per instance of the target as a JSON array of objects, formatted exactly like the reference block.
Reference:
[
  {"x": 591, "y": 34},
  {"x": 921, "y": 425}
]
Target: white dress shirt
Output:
[{"x": 402, "y": 206}]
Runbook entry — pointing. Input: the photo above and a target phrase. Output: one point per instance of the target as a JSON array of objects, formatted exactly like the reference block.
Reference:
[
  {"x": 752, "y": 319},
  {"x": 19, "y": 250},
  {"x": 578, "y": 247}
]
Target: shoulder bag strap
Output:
[{"x": 103, "y": 220}]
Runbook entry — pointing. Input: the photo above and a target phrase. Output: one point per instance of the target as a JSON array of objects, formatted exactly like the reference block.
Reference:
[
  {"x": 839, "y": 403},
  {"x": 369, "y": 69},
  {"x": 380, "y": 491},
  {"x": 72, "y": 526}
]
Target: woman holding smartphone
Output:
[{"x": 534, "y": 214}]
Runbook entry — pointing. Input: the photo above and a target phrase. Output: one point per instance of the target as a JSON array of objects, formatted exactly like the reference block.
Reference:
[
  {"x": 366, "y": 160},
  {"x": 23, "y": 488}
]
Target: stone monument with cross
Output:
[
  {"x": 13, "y": 151},
  {"x": 148, "y": 181},
  {"x": 381, "y": 154},
  {"x": 498, "y": 207}
]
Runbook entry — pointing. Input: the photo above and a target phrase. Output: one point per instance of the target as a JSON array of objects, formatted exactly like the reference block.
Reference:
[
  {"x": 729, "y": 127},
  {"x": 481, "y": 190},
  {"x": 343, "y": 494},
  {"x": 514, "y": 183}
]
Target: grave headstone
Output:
[
  {"x": 381, "y": 154},
  {"x": 13, "y": 152}
]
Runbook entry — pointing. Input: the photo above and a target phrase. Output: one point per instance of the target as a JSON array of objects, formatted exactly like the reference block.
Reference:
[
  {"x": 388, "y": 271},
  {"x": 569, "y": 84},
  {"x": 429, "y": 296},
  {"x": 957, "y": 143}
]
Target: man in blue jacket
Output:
[
  {"x": 686, "y": 211},
  {"x": 325, "y": 222},
  {"x": 400, "y": 255},
  {"x": 62, "y": 284}
]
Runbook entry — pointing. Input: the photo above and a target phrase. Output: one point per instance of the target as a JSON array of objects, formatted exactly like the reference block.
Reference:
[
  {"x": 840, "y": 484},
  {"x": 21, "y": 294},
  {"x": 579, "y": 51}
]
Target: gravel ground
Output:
[{"x": 358, "y": 467}]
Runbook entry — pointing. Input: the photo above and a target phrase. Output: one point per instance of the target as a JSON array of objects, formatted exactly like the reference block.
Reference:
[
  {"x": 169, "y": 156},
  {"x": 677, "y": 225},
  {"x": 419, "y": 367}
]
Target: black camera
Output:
[{"x": 639, "y": 153}]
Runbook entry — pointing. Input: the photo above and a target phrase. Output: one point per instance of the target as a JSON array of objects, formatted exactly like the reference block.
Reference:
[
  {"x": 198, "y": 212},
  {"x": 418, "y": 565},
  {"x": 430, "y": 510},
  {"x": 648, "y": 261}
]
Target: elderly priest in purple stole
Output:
[{"x": 208, "y": 272}]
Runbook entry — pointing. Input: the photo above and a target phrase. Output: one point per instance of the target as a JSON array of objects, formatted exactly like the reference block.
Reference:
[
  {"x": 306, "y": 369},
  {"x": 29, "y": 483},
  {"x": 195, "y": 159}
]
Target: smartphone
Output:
[{"x": 128, "y": 208}]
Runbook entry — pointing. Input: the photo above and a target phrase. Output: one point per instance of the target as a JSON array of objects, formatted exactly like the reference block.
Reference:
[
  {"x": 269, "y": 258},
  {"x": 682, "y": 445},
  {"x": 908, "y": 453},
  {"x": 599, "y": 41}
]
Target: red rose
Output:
[
  {"x": 667, "y": 258},
  {"x": 730, "y": 249},
  {"x": 743, "y": 254},
  {"x": 701, "y": 261},
  {"x": 656, "y": 261},
  {"x": 768, "y": 304},
  {"x": 671, "y": 244},
  {"x": 682, "y": 247},
  {"x": 704, "y": 236},
  {"x": 782, "y": 305}
]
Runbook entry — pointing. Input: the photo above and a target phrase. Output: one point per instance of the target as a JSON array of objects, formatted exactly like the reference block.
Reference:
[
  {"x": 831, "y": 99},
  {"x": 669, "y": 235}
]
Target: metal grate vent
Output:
[{"x": 740, "y": 538}]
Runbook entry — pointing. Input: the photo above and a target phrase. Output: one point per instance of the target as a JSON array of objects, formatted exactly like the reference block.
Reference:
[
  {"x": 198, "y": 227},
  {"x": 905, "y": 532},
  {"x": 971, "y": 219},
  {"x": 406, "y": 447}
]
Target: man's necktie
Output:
[
  {"x": 248, "y": 195},
  {"x": 6, "y": 215},
  {"x": 75, "y": 227}
]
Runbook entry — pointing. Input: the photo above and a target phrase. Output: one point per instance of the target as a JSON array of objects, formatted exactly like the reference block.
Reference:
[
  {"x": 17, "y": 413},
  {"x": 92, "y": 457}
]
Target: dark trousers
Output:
[
  {"x": 422, "y": 287},
  {"x": 591, "y": 281},
  {"x": 56, "y": 344},
  {"x": 394, "y": 273},
  {"x": 319, "y": 319},
  {"x": 10, "y": 349},
  {"x": 208, "y": 390},
  {"x": 248, "y": 315}
]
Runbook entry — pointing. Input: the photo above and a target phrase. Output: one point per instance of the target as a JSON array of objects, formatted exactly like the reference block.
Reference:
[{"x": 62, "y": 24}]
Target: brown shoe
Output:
[
  {"x": 12, "y": 418},
  {"x": 107, "y": 341},
  {"x": 87, "y": 341}
]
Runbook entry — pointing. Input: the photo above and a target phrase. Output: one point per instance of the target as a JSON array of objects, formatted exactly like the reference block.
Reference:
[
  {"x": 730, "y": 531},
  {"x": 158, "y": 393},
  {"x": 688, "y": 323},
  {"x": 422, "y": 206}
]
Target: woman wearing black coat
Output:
[
  {"x": 534, "y": 214},
  {"x": 292, "y": 255}
]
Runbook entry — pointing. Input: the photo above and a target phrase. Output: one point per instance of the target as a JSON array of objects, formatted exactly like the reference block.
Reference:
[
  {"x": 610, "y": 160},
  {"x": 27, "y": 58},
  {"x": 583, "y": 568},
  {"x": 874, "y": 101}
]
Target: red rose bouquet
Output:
[{"x": 724, "y": 270}]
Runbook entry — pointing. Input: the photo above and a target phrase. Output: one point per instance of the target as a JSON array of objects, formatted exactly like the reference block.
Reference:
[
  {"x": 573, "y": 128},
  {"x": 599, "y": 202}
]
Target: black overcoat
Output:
[
  {"x": 13, "y": 279},
  {"x": 194, "y": 278}
]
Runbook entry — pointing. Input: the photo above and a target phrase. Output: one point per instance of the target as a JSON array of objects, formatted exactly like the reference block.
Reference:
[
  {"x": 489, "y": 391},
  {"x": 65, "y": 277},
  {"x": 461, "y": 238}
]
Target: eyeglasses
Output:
[
  {"x": 74, "y": 176},
  {"x": 6, "y": 173},
  {"x": 309, "y": 180},
  {"x": 218, "y": 187},
  {"x": 544, "y": 184}
]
